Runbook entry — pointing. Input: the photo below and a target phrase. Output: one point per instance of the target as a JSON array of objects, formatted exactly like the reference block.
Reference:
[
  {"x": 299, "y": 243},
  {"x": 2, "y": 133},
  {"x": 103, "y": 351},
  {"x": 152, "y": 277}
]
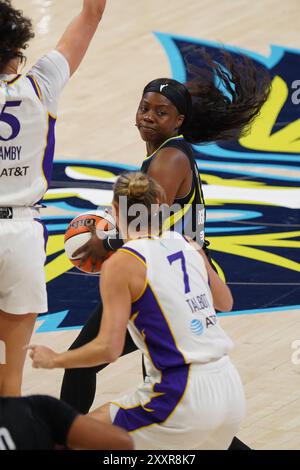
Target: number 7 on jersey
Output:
[{"x": 179, "y": 256}]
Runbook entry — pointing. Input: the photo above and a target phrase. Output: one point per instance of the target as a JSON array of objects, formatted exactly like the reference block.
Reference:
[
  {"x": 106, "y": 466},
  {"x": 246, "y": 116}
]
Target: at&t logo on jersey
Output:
[{"x": 197, "y": 327}]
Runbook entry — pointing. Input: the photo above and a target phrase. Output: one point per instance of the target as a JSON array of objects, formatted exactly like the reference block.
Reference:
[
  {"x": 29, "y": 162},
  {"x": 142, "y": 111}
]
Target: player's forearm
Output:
[
  {"x": 90, "y": 355},
  {"x": 95, "y": 8},
  {"x": 77, "y": 37},
  {"x": 221, "y": 294}
]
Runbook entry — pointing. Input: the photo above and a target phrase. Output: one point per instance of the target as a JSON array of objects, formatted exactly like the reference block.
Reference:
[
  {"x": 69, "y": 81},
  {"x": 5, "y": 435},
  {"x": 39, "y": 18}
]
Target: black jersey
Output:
[
  {"x": 188, "y": 213},
  {"x": 36, "y": 422}
]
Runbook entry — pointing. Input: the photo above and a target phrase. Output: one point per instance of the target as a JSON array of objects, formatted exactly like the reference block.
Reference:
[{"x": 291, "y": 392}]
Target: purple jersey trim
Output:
[
  {"x": 35, "y": 86},
  {"x": 134, "y": 252},
  {"x": 49, "y": 150},
  {"x": 166, "y": 357}
]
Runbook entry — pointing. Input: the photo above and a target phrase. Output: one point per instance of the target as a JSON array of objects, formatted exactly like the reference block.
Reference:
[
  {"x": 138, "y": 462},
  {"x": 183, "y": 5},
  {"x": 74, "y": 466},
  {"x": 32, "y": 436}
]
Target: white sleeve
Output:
[{"x": 51, "y": 72}]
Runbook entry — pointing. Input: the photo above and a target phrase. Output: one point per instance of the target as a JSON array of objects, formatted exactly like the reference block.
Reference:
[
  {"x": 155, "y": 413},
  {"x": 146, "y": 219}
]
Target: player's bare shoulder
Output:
[
  {"x": 121, "y": 264},
  {"x": 171, "y": 156}
]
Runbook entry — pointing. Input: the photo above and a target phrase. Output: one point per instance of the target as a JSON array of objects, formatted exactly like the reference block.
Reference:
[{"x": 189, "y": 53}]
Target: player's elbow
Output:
[
  {"x": 227, "y": 307},
  {"x": 112, "y": 354},
  {"x": 114, "y": 346},
  {"x": 222, "y": 298},
  {"x": 225, "y": 303}
]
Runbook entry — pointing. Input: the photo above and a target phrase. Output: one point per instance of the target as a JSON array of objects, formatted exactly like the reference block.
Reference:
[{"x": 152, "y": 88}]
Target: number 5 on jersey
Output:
[{"x": 10, "y": 120}]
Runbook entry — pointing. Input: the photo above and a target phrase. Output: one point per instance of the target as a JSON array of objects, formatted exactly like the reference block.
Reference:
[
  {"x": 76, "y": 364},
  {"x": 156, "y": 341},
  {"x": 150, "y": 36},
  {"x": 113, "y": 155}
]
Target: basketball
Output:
[{"x": 78, "y": 233}]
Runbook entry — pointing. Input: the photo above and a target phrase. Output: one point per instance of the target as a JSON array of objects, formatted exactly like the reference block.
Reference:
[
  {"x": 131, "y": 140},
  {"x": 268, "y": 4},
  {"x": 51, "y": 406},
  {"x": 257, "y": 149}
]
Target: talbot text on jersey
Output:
[
  {"x": 10, "y": 153},
  {"x": 198, "y": 303},
  {"x": 16, "y": 171}
]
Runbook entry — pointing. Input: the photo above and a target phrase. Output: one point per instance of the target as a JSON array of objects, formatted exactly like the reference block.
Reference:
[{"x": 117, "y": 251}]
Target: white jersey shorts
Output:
[
  {"x": 22, "y": 258},
  {"x": 207, "y": 416}
]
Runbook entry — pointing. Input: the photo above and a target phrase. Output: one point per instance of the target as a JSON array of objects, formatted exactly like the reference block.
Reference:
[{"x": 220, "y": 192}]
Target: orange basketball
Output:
[{"x": 78, "y": 233}]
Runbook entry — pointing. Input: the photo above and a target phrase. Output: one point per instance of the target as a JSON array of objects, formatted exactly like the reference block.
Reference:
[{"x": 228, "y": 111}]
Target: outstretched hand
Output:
[
  {"x": 93, "y": 249},
  {"x": 42, "y": 357}
]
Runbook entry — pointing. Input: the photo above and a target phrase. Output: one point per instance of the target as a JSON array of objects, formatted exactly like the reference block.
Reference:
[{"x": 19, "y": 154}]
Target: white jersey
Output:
[
  {"x": 27, "y": 123},
  {"x": 192, "y": 396},
  {"x": 174, "y": 322}
]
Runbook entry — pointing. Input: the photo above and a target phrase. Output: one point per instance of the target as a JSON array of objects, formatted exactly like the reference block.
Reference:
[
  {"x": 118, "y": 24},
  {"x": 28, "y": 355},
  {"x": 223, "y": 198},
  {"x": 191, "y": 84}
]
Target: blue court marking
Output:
[
  {"x": 263, "y": 174},
  {"x": 65, "y": 206},
  {"x": 179, "y": 73},
  {"x": 56, "y": 217},
  {"x": 52, "y": 321},
  {"x": 57, "y": 227},
  {"x": 233, "y": 215},
  {"x": 177, "y": 63},
  {"x": 231, "y": 229},
  {"x": 213, "y": 150},
  {"x": 259, "y": 310},
  {"x": 122, "y": 166}
]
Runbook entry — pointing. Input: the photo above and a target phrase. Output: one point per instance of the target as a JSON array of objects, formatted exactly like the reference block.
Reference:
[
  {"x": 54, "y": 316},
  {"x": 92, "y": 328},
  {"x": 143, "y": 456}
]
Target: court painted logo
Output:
[{"x": 252, "y": 194}]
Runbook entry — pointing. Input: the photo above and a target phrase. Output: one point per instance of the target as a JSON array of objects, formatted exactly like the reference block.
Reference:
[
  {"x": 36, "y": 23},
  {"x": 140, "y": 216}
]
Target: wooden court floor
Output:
[{"x": 96, "y": 122}]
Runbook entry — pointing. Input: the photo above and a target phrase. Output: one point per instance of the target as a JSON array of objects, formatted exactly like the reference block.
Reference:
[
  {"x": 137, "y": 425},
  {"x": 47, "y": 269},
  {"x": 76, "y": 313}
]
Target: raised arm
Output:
[{"x": 78, "y": 35}]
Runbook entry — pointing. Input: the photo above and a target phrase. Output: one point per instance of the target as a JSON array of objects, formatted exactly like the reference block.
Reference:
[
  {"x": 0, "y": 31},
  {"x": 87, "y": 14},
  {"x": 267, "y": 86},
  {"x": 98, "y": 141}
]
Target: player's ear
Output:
[
  {"x": 115, "y": 213},
  {"x": 115, "y": 210},
  {"x": 179, "y": 122}
]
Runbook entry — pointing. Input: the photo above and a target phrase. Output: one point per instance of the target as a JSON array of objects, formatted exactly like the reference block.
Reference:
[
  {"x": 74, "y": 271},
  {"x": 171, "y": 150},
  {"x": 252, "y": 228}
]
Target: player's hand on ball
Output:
[
  {"x": 42, "y": 357},
  {"x": 92, "y": 249}
]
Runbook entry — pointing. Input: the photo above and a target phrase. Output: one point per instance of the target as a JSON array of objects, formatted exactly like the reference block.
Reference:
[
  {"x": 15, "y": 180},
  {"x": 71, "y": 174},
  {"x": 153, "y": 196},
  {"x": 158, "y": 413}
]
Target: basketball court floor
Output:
[{"x": 251, "y": 186}]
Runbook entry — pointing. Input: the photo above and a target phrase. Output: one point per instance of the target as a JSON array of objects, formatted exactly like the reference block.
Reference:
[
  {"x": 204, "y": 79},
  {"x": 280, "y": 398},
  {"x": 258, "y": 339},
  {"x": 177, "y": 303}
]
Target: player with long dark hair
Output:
[{"x": 171, "y": 116}]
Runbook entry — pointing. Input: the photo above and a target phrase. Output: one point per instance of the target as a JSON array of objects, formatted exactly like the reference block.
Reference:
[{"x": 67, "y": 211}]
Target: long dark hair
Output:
[
  {"x": 15, "y": 32},
  {"x": 214, "y": 115}
]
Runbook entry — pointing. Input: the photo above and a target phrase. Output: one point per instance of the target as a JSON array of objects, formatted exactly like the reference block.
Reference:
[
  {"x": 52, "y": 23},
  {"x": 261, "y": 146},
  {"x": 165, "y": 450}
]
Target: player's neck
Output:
[
  {"x": 139, "y": 235},
  {"x": 153, "y": 147},
  {"x": 11, "y": 68}
]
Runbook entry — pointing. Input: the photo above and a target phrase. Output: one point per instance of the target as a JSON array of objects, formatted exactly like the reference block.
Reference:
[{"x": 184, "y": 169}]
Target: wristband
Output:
[{"x": 112, "y": 243}]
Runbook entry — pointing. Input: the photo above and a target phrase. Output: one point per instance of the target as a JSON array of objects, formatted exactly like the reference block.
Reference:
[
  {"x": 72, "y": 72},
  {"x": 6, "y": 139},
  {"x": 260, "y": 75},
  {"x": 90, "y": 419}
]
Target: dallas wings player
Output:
[
  {"x": 167, "y": 292},
  {"x": 41, "y": 422},
  {"x": 27, "y": 122}
]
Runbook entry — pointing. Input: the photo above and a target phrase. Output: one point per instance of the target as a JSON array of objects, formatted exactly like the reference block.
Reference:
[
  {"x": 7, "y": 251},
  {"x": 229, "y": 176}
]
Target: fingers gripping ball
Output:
[{"x": 80, "y": 231}]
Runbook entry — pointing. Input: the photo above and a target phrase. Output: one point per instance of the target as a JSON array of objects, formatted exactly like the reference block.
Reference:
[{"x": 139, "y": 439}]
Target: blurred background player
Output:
[
  {"x": 41, "y": 422},
  {"x": 27, "y": 121},
  {"x": 167, "y": 292},
  {"x": 170, "y": 117}
]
